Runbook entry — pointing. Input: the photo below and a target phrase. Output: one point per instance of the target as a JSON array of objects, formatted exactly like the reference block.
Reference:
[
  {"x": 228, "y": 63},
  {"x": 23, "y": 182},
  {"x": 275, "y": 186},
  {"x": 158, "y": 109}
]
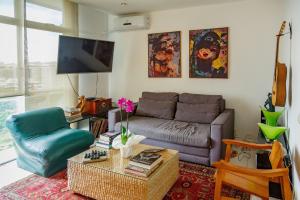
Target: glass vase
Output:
[{"x": 126, "y": 151}]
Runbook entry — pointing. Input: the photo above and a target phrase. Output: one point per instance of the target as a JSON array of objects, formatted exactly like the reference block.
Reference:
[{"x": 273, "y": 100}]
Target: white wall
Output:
[
  {"x": 93, "y": 24},
  {"x": 252, "y": 25},
  {"x": 293, "y": 62}
]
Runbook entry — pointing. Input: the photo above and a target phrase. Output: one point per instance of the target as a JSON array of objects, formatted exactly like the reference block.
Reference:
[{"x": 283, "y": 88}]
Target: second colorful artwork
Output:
[{"x": 208, "y": 53}]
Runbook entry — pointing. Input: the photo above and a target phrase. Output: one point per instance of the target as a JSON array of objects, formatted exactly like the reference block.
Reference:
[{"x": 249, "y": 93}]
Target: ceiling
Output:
[{"x": 142, "y": 6}]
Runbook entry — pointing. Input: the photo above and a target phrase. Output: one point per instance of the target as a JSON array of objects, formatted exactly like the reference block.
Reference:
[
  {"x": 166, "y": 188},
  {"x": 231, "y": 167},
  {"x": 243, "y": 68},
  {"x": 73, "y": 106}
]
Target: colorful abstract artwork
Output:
[
  {"x": 164, "y": 56},
  {"x": 208, "y": 52}
]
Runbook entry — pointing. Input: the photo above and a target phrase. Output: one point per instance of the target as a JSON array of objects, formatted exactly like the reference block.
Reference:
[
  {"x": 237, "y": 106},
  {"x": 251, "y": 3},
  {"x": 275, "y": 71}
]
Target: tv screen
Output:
[{"x": 79, "y": 55}]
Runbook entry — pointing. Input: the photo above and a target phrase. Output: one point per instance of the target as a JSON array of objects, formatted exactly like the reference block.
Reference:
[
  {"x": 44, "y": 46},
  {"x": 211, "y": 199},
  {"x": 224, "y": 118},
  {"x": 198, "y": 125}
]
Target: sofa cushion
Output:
[
  {"x": 191, "y": 150},
  {"x": 159, "y": 109},
  {"x": 161, "y": 96},
  {"x": 191, "y": 134},
  {"x": 201, "y": 113},
  {"x": 202, "y": 99},
  {"x": 199, "y": 98}
]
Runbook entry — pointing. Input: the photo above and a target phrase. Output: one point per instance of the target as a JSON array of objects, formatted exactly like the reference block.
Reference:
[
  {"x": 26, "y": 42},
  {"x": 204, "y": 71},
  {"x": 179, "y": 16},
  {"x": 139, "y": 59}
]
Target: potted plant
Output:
[
  {"x": 126, "y": 140},
  {"x": 126, "y": 106}
]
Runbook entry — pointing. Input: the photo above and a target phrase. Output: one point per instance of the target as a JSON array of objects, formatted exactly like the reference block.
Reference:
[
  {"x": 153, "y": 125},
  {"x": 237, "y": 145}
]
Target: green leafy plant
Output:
[{"x": 127, "y": 106}]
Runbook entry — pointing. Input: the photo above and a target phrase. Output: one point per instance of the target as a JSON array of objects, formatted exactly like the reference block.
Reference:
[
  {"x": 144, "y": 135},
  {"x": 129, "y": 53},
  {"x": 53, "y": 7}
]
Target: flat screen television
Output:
[{"x": 79, "y": 55}]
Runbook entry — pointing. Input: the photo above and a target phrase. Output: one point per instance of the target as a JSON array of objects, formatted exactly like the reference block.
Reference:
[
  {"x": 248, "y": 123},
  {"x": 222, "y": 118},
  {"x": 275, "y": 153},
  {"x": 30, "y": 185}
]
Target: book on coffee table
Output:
[
  {"x": 140, "y": 171},
  {"x": 106, "y": 139},
  {"x": 146, "y": 160},
  {"x": 108, "y": 136},
  {"x": 103, "y": 144}
]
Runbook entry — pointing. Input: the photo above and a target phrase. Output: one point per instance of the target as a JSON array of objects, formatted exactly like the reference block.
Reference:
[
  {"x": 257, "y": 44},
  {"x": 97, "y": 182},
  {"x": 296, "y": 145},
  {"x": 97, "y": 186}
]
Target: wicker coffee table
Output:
[{"x": 107, "y": 180}]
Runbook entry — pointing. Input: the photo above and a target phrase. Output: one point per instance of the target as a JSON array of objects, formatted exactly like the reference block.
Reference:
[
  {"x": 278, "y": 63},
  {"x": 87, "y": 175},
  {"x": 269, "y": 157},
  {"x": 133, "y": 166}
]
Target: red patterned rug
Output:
[{"x": 195, "y": 182}]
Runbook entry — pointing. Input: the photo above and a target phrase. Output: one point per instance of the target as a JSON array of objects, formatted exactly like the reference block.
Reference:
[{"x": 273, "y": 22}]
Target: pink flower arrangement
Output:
[
  {"x": 121, "y": 103},
  {"x": 128, "y": 106}
]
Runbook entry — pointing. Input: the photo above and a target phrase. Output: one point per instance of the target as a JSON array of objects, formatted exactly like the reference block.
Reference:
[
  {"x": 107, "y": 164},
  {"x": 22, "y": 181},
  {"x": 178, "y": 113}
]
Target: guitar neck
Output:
[
  {"x": 276, "y": 57},
  {"x": 278, "y": 40},
  {"x": 277, "y": 50}
]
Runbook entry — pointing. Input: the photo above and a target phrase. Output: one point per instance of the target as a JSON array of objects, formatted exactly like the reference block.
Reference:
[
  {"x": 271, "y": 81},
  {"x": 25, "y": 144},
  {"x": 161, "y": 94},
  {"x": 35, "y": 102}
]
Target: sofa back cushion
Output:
[
  {"x": 203, "y": 99},
  {"x": 154, "y": 108},
  {"x": 200, "y": 113},
  {"x": 161, "y": 96}
]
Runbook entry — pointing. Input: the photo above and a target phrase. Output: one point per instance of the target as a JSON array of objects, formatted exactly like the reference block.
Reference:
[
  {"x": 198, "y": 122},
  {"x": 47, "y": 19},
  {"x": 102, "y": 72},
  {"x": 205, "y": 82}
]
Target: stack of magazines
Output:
[
  {"x": 106, "y": 139},
  {"x": 143, "y": 164}
]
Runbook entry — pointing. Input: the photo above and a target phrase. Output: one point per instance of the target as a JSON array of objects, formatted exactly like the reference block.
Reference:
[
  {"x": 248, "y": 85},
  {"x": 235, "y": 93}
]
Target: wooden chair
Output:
[{"x": 254, "y": 181}]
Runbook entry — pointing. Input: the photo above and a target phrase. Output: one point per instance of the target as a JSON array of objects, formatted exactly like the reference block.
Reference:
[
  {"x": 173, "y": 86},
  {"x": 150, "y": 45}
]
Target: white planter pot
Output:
[{"x": 126, "y": 151}]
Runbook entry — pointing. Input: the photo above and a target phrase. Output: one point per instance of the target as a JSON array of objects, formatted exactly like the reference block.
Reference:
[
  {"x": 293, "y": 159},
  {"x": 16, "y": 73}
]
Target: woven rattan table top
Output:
[{"x": 117, "y": 164}]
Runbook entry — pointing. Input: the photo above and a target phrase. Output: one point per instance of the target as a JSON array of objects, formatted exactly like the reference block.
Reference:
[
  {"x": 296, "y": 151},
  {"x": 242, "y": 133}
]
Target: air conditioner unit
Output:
[{"x": 131, "y": 23}]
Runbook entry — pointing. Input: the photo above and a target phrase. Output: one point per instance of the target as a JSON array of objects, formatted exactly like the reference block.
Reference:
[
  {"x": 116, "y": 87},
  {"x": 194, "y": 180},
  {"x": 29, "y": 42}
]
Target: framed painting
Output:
[
  {"x": 164, "y": 55},
  {"x": 208, "y": 53}
]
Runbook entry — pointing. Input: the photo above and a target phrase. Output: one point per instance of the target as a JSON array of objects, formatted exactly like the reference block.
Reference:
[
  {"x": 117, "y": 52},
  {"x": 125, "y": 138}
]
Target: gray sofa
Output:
[{"x": 193, "y": 124}]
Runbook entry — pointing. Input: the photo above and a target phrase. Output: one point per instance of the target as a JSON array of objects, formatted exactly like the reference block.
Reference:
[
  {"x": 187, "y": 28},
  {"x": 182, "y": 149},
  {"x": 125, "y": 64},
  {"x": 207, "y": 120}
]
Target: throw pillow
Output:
[
  {"x": 161, "y": 96},
  {"x": 201, "y": 113},
  {"x": 158, "y": 109},
  {"x": 199, "y": 98}
]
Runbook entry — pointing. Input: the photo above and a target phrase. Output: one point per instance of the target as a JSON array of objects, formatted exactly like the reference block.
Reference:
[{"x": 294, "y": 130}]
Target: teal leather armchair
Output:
[{"x": 44, "y": 140}]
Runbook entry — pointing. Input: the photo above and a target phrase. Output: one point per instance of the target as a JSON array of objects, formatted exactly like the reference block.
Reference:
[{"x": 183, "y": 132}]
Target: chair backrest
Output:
[
  {"x": 276, "y": 156},
  {"x": 38, "y": 122}
]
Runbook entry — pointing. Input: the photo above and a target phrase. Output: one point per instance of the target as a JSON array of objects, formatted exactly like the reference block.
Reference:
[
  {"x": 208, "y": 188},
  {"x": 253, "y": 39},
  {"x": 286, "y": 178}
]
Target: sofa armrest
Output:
[
  {"x": 221, "y": 128},
  {"x": 114, "y": 116}
]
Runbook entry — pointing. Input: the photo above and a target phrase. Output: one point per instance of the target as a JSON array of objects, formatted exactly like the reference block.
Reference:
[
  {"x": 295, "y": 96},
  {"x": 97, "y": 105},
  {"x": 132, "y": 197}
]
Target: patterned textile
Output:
[{"x": 196, "y": 182}]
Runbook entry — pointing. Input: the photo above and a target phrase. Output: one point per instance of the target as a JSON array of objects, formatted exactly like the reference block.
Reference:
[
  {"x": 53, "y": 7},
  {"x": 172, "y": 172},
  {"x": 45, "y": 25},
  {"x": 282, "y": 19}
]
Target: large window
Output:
[
  {"x": 40, "y": 13},
  {"x": 46, "y": 20},
  {"x": 28, "y": 54},
  {"x": 9, "y": 69},
  {"x": 11, "y": 72},
  {"x": 8, "y": 106},
  {"x": 7, "y": 8},
  {"x": 42, "y": 61},
  {"x": 42, "y": 46}
]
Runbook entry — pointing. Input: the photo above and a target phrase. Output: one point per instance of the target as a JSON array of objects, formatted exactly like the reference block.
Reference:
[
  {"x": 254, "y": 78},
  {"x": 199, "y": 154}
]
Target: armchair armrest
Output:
[
  {"x": 221, "y": 128},
  {"x": 267, "y": 173},
  {"x": 247, "y": 144}
]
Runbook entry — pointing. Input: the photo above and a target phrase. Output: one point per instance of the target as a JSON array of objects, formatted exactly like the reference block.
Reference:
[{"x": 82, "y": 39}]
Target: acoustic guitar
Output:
[{"x": 280, "y": 71}]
